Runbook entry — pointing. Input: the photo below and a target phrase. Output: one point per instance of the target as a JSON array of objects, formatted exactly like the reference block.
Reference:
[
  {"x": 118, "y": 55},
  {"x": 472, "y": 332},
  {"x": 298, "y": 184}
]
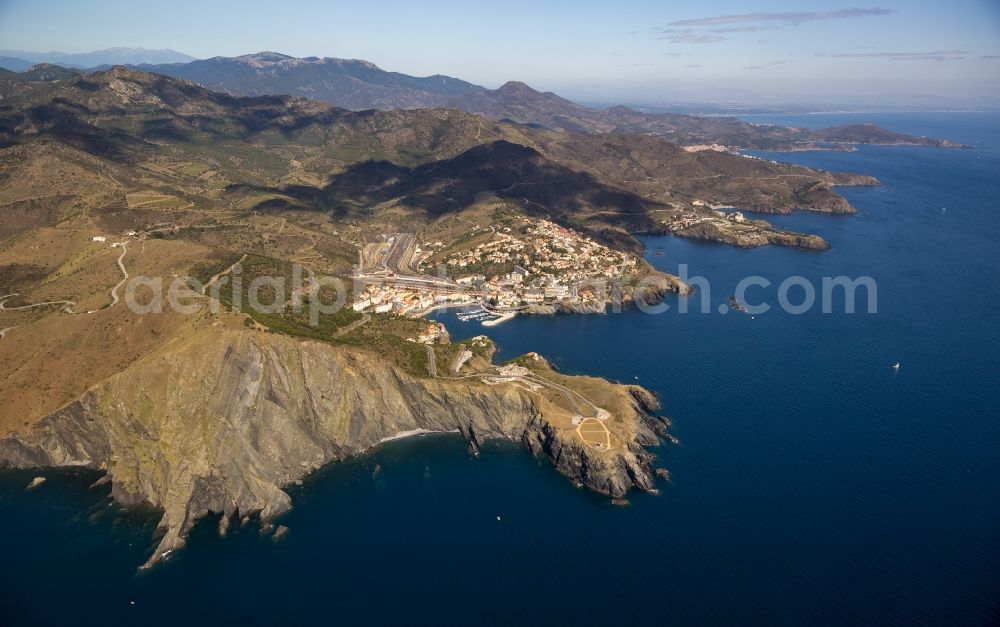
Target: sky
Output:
[{"x": 638, "y": 50}]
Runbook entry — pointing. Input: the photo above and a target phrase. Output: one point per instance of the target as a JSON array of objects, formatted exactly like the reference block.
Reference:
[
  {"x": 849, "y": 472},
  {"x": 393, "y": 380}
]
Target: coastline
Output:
[{"x": 309, "y": 422}]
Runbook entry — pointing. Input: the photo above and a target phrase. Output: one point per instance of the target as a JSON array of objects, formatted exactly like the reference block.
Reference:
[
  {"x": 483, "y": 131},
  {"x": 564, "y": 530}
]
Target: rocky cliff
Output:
[{"x": 220, "y": 422}]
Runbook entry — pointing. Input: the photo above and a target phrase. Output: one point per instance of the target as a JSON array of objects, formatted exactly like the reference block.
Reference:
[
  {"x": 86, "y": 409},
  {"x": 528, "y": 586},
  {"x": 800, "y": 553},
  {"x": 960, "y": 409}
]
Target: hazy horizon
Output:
[{"x": 891, "y": 53}]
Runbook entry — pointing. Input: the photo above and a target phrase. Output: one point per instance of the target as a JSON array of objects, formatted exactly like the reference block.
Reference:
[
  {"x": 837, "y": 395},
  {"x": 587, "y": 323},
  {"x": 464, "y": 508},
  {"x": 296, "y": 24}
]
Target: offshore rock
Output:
[{"x": 37, "y": 481}]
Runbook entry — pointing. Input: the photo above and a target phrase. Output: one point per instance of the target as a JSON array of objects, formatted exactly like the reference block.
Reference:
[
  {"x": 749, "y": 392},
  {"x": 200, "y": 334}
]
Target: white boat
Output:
[{"x": 896, "y": 366}]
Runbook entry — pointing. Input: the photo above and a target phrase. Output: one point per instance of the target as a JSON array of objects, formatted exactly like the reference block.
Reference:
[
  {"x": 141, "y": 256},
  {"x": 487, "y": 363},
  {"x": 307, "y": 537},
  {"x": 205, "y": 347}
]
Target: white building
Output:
[
  {"x": 556, "y": 291},
  {"x": 361, "y": 305}
]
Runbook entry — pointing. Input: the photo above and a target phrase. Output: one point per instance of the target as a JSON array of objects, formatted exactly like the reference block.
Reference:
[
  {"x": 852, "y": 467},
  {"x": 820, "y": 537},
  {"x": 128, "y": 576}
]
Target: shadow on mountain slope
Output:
[{"x": 507, "y": 170}]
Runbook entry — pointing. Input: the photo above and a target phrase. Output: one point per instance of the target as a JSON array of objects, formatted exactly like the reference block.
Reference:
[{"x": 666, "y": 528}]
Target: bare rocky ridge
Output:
[
  {"x": 220, "y": 422},
  {"x": 349, "y": 83}
]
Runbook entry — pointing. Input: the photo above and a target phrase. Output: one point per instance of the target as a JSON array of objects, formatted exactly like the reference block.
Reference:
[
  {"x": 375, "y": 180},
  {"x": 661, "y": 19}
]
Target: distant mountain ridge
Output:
[
  {"x": 359, "y": 85},
  {"x": 46, "y": 72},
  {"x": 348, "y": 83},
  {"x": 14, "y": 64},
  {"x": 83, "y": 60},
  {"x": 517, "y": 102}
]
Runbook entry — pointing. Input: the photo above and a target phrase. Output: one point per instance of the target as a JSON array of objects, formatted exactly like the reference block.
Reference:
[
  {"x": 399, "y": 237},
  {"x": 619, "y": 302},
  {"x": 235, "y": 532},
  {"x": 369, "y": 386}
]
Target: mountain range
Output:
[
  {"x": 290, "y": 153},
  {"x": 359, "y": 85},
  {"x": 346, "y": 83},
  {"x": 20, "y": 60}
]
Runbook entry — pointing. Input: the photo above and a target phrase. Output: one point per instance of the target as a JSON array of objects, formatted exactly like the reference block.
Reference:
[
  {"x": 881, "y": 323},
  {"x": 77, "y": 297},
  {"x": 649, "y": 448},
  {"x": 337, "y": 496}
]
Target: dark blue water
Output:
[
  {"x": 813, "y": 484},
  {"x": 971, "y": 128}
]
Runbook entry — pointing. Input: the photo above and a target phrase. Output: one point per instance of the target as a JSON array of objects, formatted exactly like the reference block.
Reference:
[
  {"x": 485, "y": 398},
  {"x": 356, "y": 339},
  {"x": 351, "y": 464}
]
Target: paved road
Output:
[{"x": 570, "y": 395}]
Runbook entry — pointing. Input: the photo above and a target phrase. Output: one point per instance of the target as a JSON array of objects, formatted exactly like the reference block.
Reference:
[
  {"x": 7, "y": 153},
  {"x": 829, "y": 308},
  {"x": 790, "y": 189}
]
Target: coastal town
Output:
[{"x": 529, "y": 265}]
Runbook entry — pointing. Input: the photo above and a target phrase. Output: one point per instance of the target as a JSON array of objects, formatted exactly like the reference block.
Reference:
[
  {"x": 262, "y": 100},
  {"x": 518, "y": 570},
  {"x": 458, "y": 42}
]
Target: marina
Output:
[{"x": 477, "y": 315}]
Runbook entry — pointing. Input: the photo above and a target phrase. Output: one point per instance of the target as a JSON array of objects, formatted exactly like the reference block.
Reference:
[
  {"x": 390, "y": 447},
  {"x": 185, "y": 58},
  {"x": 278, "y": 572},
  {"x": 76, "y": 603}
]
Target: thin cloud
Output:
[
  {"x": 692, "y": 38},
  {"x": 782, "y": 61},
  {"x": 933, "y": 55},
  {"x": 741, "y": 29},
  {"x": 786, "y": 17},
  {"x": 990, "y": 57},
  {"x": 686, "y": 36},
  {"x": 693, "y": 65},
  {"x": 696, "y": 39},
  {"x": 752, "y": 67}
]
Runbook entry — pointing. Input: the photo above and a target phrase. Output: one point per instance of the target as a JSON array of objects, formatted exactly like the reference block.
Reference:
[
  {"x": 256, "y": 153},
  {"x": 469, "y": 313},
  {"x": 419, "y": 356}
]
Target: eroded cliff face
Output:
[{"x": 221, "y": 421}]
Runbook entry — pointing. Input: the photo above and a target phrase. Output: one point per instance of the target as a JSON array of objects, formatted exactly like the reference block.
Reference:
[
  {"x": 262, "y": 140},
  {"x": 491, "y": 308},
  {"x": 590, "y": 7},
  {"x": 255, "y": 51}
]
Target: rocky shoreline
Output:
[
  {"x": 706, "y": 231},
  {"x": 220, "y": 423},
  {"x": 649, "y": 290}
]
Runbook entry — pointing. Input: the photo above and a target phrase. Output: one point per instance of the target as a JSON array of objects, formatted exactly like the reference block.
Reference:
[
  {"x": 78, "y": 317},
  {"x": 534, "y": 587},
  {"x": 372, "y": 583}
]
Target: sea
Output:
[{"x": 813, "y": 483}]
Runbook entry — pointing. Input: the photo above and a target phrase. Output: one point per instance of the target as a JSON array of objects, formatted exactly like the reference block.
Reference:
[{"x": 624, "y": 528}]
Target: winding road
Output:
[
  {"x": 121, "y": 264},
  {"x": 70, "y": 304},
  {"x": 4, "y": 299},
  {"x": 570, "y": 395},
  {"x": 592, "y": 429}
]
